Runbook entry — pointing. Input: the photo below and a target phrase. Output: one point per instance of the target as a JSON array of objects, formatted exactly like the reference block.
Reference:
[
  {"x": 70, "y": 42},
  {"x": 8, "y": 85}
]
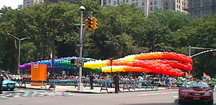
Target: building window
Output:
[
  {"x": 114, "y": 2},
  {"x": 198, "y": 12},
  {"x": 199, "y": 4},
  {"x": 207, "y": 11},
  {"x": 214, "y": 2},
  {"x": 151, "y": 8},
  {"x": 127, "y": 1},
  {"x": 155, "y": 2},
  {"x": 143, "y": 3},
  {"x": 143, "y": 8},
  {"x": 155, "y": 7},
  {"x": 109, "y": 1},
  {"x": 195, "y": 12},
  {"x": 136, "y": 3},
  {"x": 151, "y": 2}
]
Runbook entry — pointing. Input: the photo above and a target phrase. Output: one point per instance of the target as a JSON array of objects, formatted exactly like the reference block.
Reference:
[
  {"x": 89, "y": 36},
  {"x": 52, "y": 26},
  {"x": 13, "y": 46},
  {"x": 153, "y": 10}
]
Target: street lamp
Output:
[
  {"x": 199, "y": 48},
  {"x": 20, "y": 39},
  {"x": 80, "y": 85}
]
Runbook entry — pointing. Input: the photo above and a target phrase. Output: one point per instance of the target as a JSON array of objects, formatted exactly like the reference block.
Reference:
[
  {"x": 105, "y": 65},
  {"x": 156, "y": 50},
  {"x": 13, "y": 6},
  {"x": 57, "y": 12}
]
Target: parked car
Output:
[
  {"x": 9, "y": 84},
  {"x": 193, "y": 91}
]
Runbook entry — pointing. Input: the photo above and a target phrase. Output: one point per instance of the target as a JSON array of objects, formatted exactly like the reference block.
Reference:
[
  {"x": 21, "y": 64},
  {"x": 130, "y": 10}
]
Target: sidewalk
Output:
[{"x": 96, "y": 90}]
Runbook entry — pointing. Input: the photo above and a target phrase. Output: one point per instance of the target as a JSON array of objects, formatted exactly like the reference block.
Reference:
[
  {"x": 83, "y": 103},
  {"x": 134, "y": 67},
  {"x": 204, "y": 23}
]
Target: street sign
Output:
[
  {"x": 80, "y": 63},
  {"x": 35, "y": 65}
]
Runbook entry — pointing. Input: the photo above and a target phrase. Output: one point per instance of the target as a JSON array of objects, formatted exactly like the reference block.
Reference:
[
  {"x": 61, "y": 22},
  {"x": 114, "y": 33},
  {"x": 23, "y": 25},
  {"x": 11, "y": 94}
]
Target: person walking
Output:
[
  {"x": 91, "y": 80},
  {"x": 1, "y": 82},
  {"x": 167, "y": 82},
  {"x": 116, "y": 82}
]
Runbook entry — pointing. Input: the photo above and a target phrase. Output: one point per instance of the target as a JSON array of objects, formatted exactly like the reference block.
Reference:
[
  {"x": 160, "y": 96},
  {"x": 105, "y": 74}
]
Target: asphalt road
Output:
[{"x": 38, "y": 97}]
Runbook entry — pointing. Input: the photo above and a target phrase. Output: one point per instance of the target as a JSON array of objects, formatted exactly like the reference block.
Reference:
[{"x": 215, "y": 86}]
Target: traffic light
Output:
[
  {"x": 87, "y": 24},
  {"x": 91, "y": 23},
  {"x": 95, "y": 23}
]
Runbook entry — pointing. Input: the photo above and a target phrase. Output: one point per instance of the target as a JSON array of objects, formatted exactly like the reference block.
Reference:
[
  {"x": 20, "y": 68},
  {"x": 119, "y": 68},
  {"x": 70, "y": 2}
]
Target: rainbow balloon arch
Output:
[{"x": 167, "y": 63}]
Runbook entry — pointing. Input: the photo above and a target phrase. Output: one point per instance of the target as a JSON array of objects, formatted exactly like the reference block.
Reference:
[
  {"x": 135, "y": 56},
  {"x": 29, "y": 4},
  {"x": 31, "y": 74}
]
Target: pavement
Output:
[{"x": 96, "y": 90}]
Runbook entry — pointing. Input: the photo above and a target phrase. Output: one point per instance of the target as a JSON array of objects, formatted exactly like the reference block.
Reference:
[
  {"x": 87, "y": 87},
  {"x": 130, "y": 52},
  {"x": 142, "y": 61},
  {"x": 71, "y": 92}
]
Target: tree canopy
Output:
[{"x": 123, "y": 30}]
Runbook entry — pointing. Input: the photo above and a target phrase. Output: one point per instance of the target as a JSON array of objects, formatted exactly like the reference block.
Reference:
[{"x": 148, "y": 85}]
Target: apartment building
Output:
[
  {"x": 148, "y": 6},
  {"x": 31, "y": 2},
  {"x": 201, "y": 8},
  {"x": 55, "y": 1}
]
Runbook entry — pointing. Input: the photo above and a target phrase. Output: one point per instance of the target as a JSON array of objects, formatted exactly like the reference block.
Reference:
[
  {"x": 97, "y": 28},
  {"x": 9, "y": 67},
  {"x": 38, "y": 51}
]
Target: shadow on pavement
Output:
[{"x": 175, "y": 103}]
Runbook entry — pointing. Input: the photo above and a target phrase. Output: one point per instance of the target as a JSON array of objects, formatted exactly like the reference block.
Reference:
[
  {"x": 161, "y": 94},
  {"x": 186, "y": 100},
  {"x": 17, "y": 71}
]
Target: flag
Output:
[
  {"x": 188, "y": 75},
  {"x": 206, "y": 76}
]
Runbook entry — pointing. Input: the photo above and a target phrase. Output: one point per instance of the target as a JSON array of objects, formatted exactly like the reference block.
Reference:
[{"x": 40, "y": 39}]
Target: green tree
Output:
[
  {"x": 201, "y": 33},
  {"x": 114, "y": 37}
]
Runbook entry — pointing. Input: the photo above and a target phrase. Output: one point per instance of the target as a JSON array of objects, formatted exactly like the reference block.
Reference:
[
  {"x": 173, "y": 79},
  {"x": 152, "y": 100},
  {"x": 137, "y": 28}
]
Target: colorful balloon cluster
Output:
[
  {"x": 155, "y": 62},
  {"x": 60, "y": 64},
  {"x": 168, "y": 63}
]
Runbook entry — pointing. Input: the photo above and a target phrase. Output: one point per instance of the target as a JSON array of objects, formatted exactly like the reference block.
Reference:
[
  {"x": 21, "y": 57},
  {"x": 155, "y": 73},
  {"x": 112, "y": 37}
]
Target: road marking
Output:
[
  {"x": 157, "y": 93},
  {"x": 175, "y": 96},
  {"x": 34, "y": 94}
]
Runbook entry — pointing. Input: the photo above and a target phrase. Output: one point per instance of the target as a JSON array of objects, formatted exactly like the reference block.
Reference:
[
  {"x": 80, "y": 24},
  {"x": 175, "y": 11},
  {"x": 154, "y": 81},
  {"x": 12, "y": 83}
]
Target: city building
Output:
[
  {"x": 201, "y": 8},
  {"x": 55, "y": 1},
  {"x": 31, "y": 2},
  {"x": 148, "y": 6}
]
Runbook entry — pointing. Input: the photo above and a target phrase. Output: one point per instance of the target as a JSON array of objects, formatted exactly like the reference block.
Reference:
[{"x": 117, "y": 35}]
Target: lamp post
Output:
[
  {"x": 199, "y": 48},
  {"x": 80, "y": 85},
  {"x": 19, "y": 39}
]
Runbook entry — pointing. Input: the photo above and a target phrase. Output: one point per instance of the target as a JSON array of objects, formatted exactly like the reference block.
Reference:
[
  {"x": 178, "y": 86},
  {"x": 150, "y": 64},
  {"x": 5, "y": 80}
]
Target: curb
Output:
[
  {"x": 100, "y": 92},
  {"x": 109, "y": 92}
]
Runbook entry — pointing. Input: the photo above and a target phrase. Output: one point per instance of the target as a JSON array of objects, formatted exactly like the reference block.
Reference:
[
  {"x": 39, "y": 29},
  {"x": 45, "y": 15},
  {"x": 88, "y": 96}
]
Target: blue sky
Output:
[{"x": 11, "y": 3}]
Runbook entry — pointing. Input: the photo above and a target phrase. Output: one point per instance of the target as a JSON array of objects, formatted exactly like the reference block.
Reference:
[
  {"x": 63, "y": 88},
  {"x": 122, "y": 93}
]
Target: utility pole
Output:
[
  {"x": 19, "y": 39},
  {"x": 80, "y": 85},
  {"x": 198, "y": 48}
]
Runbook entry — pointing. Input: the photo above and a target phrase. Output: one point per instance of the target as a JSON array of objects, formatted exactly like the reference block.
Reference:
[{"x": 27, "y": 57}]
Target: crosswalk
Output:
[{"x": 9, "y": 94}]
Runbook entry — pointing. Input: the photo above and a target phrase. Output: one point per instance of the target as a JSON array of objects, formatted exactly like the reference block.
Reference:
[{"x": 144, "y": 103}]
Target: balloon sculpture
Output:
[
  {"x": 168, "y": 63},
  {"x": 155, "y": 62}
]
